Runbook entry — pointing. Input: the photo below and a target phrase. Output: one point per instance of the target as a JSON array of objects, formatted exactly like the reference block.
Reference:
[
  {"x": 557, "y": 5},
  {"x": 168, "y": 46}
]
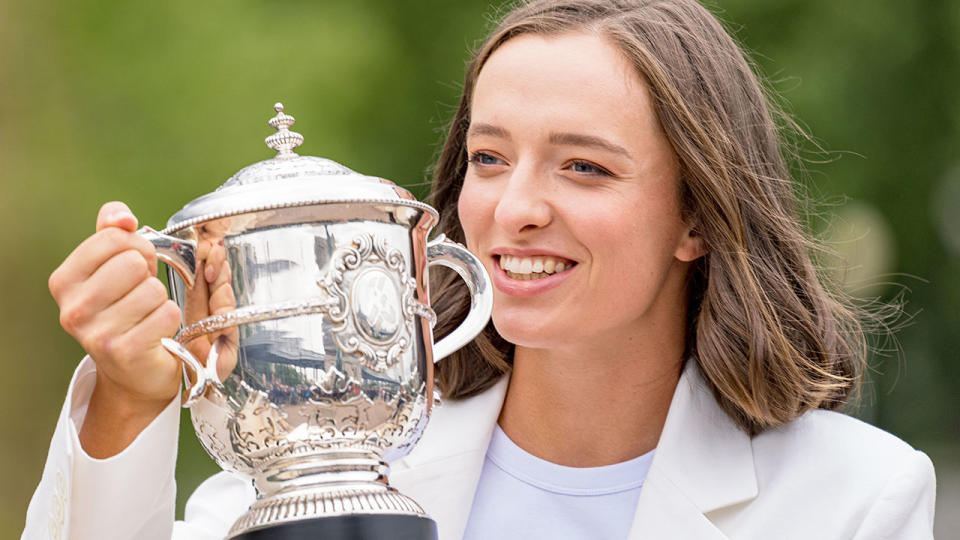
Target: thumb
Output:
[{"x": 116, "y": 214}]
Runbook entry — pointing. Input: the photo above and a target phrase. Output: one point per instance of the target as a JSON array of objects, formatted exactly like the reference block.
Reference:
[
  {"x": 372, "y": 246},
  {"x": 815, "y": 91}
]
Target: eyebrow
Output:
[
  {"x": 579, "y": 139},
  {"x": 571, "y": 139},
  {"x": 489, "y": 130}
]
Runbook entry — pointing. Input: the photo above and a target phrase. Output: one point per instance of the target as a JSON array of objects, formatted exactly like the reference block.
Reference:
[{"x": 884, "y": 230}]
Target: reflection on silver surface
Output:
[
  {"x": 180, "y": 254},
  {"x": 305, "y": 298}
]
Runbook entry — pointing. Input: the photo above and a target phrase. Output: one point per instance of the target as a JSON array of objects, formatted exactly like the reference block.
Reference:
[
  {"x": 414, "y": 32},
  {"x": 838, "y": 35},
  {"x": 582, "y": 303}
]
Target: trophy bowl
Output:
[{"x": 307, "y": 338}]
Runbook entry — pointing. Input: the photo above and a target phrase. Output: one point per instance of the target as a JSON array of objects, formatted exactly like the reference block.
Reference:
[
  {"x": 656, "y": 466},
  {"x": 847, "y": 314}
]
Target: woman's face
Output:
[{"x": 571, "y": 196}]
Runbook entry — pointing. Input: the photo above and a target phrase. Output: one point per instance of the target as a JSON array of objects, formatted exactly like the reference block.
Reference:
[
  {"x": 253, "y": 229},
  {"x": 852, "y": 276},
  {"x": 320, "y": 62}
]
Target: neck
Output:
[{"x": 594, "y": 406}]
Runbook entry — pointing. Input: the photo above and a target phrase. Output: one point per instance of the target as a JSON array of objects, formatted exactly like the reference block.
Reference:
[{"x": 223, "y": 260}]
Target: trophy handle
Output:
[
  {"x": 204, "y": 378},
  {"x": 180, "y": 254},
  {"x": 447, "y": 253}
]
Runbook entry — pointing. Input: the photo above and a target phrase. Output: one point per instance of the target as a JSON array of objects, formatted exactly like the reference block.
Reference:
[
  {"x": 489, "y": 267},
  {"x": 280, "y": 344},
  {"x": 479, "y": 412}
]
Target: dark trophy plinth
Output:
[{"x": 349, "y": 527}]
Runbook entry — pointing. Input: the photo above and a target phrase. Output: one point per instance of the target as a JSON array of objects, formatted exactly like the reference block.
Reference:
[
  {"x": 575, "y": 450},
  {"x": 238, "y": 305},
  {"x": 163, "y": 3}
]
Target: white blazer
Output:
[{"x": 823, "y": 476}]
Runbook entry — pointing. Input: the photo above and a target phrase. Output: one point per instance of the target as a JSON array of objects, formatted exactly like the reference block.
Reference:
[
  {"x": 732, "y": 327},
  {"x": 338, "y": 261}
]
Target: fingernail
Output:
[
  {"x": 117, "y": 216},
  {"x": 209, "y": 273}
]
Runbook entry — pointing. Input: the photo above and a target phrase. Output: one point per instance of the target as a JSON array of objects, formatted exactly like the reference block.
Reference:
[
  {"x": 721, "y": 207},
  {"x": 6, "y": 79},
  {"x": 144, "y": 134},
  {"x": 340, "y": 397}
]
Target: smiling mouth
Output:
[{"x": 530, "y": 268}]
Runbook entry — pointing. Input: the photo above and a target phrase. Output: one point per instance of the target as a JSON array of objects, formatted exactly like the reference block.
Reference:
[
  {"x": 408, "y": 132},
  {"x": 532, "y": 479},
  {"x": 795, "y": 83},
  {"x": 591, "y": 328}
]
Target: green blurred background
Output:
[{"x": 155, "y": 103}]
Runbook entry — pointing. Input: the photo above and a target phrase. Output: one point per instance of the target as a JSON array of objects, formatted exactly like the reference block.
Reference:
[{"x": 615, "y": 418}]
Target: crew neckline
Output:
[{"x": 561, "y": 479}]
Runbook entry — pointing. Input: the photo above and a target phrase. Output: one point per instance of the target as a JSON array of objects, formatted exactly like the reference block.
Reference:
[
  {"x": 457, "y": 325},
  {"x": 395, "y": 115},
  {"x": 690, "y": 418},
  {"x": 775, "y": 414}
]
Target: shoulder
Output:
[
  {"x": 830, "y": 464},
  {"x": 832, "y": 443}
]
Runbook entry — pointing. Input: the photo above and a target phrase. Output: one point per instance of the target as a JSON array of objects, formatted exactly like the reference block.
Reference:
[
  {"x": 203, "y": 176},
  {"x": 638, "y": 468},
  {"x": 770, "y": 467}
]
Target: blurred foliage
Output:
[{"x": 157, "y": 103}]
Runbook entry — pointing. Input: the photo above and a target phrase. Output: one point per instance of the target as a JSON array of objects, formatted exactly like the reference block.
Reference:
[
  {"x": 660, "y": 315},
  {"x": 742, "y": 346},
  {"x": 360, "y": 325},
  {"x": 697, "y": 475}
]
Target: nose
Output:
[{"x": 524, "y": 203}]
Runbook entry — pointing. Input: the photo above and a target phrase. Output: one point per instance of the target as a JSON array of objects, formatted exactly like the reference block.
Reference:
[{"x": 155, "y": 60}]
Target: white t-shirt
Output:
[{"x": 523, "y": 497}]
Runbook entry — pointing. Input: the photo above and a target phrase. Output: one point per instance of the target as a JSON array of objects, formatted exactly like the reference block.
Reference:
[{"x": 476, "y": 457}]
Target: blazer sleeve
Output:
[
  {"x": 213, "y": 508},
  {"x": 130, "y": 495},
  {"x": 904, "y": 508}
]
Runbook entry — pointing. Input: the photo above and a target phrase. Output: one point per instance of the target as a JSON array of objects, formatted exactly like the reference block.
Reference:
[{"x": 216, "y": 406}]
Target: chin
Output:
[{"x": 523, "y": 331}]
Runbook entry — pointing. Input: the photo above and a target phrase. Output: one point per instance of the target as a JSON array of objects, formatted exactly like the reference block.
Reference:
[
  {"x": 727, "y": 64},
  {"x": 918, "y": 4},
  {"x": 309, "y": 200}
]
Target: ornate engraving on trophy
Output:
[
  {"x": 375, "y": 319},
  {"x": 259, "y": 425},
  {"x": 210, "y": 440},
  {"x": 376, "y": 305},
  {"x": 325, "y": 380}
]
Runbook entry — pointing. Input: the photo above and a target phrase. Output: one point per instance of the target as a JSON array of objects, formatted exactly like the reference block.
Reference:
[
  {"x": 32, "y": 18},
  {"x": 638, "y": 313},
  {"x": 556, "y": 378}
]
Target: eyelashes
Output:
[
  {"x": 582, "y": 167},
  {"x": 587, "y": 168},
  {"x": 483, "y": 159}
]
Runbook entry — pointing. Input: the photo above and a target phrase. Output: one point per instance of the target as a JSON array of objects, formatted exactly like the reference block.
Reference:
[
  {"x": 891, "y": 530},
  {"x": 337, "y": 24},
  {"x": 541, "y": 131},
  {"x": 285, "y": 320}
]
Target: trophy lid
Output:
[{"x": 289, "y": 179}]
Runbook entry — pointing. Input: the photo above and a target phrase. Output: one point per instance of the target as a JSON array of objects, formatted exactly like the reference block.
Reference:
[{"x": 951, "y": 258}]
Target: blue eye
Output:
[
  {"x": 585, "y": 167},
  {"x": 483, "y": 158}
]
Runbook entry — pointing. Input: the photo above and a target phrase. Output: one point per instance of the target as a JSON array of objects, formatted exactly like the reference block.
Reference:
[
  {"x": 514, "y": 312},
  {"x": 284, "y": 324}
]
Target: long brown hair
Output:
[{"x": 770, "y": 339}]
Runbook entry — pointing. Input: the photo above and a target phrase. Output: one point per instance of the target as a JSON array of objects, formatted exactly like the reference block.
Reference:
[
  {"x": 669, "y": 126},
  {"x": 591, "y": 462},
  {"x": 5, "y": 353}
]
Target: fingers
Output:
[
  {"x": 93, "y": 253},
  {"x": 196, "y": 305},
  {"x": 130, "y": 311},
  {"x": 222, "y": 299},
  {"x": 215, "y": 262},
  {"x": 117, "y": 310},
  {"x": 116, "y": 214},
  {"x": 226, "y": 357},
  {"x": 217, "y": 274},
  {"x": 162, "y": 322},
  {"x": 82, "y": 301},
  {"x": 137, "y": 361},
  {"x": 95, "y": 327},
  {"x": 115, "y": 279}
]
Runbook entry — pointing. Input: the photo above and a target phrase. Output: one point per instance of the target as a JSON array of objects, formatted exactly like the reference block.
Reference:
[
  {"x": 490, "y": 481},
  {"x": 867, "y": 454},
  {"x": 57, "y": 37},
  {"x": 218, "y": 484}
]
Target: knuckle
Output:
[
  {"x": 170, "y": 314},
  {"x": 121, "y": 348},
  {"x": 154, "y": 293},
  {"x": 132, "y": 261},
  {"x": 142, "y": 244},
  {"x": 100, "y": 345},
  {"x": 55, "y": 283},
  {"x": 158, "y": 291},
  {"x": 145, "y": 248},
  {"x": 73, "y": 317},
  {"x": 112, "y": 235}
]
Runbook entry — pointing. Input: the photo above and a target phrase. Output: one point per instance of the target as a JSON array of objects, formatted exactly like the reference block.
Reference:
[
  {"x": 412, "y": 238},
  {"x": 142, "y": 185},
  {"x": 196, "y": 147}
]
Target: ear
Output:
[{"x": 691, "y": 246}]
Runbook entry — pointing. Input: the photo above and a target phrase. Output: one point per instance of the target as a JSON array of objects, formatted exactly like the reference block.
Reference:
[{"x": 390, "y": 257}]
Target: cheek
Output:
[
  {"x": 633, "y": 247},
  {"x": 475, "y": 208}
]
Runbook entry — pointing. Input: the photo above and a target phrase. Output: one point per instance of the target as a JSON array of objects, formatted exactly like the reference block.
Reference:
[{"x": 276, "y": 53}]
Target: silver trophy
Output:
[{"x": 304, "y": 291}]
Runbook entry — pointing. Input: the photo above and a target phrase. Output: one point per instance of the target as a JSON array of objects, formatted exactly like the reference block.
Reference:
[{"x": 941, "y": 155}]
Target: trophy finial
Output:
[{"x": 284, "y": 140}]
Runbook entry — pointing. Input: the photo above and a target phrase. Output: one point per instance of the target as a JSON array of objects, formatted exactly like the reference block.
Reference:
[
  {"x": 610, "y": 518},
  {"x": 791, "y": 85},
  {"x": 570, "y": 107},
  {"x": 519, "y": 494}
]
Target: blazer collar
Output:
[
  {"x": 702, "y": 450},
  {"x": 703, "y": 462}
]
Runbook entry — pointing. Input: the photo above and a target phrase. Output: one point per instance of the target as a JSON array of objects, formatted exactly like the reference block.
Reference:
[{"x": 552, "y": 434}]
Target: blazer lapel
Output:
[
  {"x": 442, "y": 471},
  {"x": 703, "y": 462}
]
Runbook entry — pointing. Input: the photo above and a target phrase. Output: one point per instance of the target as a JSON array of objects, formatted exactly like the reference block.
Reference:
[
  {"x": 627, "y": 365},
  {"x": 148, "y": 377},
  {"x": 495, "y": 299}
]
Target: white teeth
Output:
[{"x": 526, "y": 268}]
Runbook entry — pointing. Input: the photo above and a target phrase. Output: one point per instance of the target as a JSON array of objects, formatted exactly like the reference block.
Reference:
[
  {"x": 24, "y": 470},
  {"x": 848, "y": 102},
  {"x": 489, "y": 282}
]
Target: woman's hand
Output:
[
  {"x": 112, "y": 303},
  {"x": 212, "y": 294}
]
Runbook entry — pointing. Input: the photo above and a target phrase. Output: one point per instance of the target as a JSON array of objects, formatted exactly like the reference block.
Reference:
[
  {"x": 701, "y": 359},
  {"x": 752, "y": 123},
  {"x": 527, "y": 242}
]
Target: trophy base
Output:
[{"x": 349, "y": 527}]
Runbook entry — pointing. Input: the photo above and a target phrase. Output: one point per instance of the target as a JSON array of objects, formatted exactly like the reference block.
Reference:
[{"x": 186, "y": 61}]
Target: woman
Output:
[{"x": 662, "y": 357}]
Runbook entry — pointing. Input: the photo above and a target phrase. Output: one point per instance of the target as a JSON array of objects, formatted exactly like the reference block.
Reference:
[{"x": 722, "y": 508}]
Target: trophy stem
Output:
[{"x": 322, "y": 488}]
